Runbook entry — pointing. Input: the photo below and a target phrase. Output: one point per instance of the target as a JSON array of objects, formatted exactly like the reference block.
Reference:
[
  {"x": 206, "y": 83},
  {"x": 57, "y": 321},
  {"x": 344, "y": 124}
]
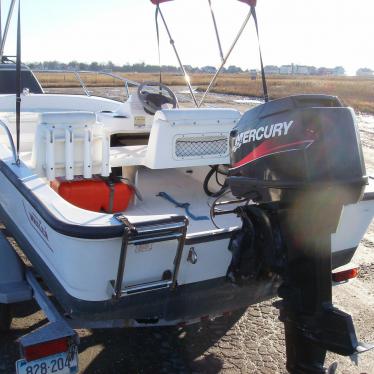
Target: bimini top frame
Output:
[
  {"x": 224, "y": 58},
  {"x": 4, "y": 34}
]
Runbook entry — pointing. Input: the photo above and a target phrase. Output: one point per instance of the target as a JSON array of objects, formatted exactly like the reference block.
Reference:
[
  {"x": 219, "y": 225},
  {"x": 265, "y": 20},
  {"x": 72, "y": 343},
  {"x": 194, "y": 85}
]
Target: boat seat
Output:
[
  {"x": 182, "y": 138},
  {"x": 69, "y": 144}
]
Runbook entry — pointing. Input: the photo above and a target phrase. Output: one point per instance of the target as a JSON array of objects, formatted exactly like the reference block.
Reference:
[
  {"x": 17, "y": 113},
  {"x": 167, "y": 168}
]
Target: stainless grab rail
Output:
[
  {"x": 10, "y": 139},
  {"x": 82, "y": 83},
  {"x": 78, "y": 75},
  {"x": 127, "y": 82}
]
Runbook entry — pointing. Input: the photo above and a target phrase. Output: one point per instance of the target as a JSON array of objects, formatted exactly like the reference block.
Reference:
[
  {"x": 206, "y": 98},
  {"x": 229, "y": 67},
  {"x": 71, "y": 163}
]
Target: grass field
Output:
[{"x": 354, "y": 91}]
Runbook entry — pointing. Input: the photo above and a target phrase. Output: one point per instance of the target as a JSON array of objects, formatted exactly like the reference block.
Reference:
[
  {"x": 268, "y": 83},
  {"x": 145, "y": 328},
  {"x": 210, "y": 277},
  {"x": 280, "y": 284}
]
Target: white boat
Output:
[
  {"x": 166, "y": 258},
  {"x": 80, "y": 249}
]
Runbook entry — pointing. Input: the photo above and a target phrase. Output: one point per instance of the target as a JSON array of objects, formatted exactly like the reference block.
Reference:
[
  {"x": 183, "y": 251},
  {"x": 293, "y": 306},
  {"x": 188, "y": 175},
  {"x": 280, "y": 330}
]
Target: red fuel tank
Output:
[
  {"x": 95, "y": 194},
  {"x": 118, "y": 197}
]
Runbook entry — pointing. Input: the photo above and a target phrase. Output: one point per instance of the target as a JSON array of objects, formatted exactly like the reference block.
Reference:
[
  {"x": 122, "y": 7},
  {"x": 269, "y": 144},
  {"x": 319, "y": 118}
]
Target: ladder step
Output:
[{"x": 144, "y": 287}]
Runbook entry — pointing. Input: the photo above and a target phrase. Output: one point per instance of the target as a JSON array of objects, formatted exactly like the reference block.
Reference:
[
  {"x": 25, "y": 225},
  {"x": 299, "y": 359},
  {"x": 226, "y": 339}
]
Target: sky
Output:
[{"x": 319, "y": 32}]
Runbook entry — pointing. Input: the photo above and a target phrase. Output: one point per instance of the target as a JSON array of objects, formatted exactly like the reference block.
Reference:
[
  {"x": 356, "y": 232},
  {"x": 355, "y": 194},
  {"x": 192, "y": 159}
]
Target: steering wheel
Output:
[{"x": 154, "y": 95}]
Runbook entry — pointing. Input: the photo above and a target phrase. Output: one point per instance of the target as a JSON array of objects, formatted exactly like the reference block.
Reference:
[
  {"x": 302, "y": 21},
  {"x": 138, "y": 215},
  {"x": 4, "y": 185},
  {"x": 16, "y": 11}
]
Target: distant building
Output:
[
  {"x": 325, "y": 71},
  {"x": 297, "y": 69},
  {"x": 294, "y": 69},
  {"x": 302, "y": 70},
  {"x": 286, "y": 70},
  {"x": 271, "y": 69},
  {"x": 312, "y": 70},
  {"x": 365, "y": 72}
]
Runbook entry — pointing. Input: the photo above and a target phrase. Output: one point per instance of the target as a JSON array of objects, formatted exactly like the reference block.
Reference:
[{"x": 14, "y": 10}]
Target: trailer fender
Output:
[{"x": 13, "y": 286}]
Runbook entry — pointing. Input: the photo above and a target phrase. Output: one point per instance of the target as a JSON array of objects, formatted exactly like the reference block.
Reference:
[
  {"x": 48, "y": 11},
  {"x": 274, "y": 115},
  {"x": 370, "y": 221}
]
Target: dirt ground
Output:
[{"x": 249, "y": 341}]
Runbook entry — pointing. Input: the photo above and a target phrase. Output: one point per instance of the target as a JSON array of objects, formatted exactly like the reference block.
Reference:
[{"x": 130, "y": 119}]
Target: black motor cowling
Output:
[
  {"x": 298, "y": 161},
  {"x": 296, "y": 143}
]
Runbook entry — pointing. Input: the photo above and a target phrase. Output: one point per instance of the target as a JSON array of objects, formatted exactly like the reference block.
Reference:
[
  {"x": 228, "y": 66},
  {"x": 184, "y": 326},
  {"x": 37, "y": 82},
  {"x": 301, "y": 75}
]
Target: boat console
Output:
[{"x": 182, "y": 138}]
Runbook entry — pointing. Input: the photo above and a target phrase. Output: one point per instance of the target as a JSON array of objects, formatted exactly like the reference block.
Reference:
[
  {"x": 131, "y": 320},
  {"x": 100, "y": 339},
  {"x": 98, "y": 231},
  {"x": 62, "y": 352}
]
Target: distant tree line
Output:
[
  {"x": 142, "y": 67},
  {"x": 138, "y": 67}
]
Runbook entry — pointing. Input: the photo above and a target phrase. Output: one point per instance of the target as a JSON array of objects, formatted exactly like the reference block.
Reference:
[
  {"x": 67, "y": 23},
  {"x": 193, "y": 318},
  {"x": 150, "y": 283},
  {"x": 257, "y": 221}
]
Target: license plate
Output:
[{"x": 56, "y": 364}]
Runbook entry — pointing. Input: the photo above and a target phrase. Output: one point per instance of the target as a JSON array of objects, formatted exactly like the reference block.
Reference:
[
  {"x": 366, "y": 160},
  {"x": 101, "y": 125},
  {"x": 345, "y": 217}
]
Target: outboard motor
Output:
[{"x": 299, "y": 161}]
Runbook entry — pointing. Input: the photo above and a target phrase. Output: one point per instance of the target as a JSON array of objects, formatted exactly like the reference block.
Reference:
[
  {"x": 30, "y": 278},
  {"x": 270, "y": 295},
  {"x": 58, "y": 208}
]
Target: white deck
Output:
[{"x": 183, "y": 187}]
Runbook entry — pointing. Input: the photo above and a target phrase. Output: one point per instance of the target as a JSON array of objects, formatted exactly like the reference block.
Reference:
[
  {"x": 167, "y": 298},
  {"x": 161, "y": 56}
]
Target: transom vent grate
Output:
[{"x": 201, "y": 146}]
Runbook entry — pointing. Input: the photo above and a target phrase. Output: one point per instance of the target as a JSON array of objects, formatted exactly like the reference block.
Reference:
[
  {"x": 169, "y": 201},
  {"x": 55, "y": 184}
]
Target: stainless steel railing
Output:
[
  {"x": 78, "y": 75},
  {"x": 10, "y": 139}
]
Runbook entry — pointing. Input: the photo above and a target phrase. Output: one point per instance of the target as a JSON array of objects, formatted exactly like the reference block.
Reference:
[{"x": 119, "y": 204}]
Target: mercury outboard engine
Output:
[{"x": 298, "y": 160}]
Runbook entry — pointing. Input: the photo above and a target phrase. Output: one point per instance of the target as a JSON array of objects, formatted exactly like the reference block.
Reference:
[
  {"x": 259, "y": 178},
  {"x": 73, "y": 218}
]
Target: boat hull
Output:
[{"x": 78, "y": 270}]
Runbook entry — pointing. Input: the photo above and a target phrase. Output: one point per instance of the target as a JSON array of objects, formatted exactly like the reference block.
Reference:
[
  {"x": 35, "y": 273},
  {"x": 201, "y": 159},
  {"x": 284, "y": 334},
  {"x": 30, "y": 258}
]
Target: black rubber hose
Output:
[
  {"x": 207, "y": 180},
  {"x": 222, "y": 172}
]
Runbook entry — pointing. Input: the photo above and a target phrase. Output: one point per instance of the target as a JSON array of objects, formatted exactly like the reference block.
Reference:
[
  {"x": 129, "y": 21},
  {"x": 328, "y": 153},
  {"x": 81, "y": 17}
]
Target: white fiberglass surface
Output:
[
  {"x": 75, "y": 261},
  {"x": 34, "y": 104},
  {"x": 85, "y": 267},
  {"x": 57, "y": 103},
  {"x": 354, "y": 221},
  {"x": 184, "y": 185},
  {"x": 29, "y": 122}
]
